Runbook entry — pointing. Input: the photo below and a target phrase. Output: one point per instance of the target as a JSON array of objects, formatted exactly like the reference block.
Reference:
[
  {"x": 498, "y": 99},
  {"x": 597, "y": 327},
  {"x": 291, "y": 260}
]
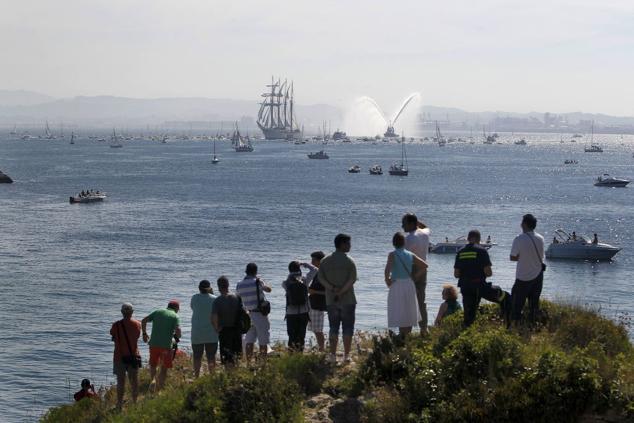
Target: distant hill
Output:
[
  {"x": 108, "y": 110},
  {"x": 22, "y": 98}
]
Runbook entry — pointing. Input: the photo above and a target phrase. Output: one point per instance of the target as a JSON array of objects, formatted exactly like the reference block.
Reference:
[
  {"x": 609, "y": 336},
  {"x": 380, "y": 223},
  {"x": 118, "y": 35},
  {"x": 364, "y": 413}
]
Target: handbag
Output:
[
  {"x": 264, "y": 306},
  {"x": 538, "y": 255},
  {"x": 243, "y": 320},
  {"x": 133, "y": 361}
]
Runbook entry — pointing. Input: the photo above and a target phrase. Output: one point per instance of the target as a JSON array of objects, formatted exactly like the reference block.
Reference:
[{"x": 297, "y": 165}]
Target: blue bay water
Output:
[{"x": 172, "y": 218}]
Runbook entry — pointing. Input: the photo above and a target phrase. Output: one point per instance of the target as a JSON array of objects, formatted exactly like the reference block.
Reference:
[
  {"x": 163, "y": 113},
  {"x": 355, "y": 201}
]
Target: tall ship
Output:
[{"x": 276, "y": 117}]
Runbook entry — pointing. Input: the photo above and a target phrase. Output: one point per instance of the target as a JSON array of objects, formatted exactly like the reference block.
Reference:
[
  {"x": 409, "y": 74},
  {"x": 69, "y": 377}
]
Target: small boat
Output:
[
  {"x": 577, "y": 136},
  {"x": 72, "y": 138},
  {"x": 355, "y": 169},
  {"x": 571, "y": 161},
  {"x": 376, "y": 170},
  {"x": 520, "y": 142},
  {"x": 320, "y": 155},
  {"x": 238, "y": 142},
  {"x": 579, "y": 248},
  {"x": 88, "y": 198},
  {"x": 400, "y": 168},
  {"x": 610, "y": 181},
  {"x": 215, "y": 159},
  {"x": 452, "y": 247},
  {"x": 115, "y": 143},
  {"x": 594, "y": 148}
]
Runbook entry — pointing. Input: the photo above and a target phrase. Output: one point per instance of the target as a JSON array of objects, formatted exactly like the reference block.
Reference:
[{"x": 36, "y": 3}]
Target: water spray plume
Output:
[{"x": 366, "y": 117}]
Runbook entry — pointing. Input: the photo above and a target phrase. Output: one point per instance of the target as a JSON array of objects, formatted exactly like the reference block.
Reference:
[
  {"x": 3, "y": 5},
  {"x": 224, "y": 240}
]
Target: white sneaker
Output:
[{"x": 347, "y": 359}]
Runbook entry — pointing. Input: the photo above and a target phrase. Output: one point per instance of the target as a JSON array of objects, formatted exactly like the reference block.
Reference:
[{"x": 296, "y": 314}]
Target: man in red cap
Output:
[{"x": 165, "y": 326}]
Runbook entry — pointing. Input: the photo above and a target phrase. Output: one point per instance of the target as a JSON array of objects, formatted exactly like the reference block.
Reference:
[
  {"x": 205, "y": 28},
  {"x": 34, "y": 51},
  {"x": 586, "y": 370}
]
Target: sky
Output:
[{"x": 516, "y": 56}]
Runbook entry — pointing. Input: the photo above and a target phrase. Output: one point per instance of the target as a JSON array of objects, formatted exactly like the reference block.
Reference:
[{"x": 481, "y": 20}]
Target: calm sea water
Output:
[{"x": 172, "y": 219}]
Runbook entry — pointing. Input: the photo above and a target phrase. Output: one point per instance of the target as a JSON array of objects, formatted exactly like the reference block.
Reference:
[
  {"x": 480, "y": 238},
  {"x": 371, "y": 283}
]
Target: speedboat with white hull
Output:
[
  {"x": 564, "y": 246},
  {"x": 610, "y": 181}
]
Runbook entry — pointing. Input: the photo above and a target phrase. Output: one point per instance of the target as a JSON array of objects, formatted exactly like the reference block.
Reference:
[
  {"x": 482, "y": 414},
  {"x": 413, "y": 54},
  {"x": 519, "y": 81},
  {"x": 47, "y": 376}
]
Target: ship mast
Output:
[{"x": 292, "y": 94}]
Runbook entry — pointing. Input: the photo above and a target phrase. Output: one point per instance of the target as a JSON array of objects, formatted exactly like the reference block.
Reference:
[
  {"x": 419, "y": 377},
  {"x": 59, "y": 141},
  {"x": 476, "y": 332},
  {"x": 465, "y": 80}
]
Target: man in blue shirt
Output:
[{"x": 471, "y": 268}]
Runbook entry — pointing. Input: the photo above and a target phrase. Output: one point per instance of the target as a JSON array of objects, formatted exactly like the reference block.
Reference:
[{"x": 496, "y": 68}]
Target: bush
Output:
[
  {"x": 309, "y": 371},
  {"x": 480, "y": 356}
]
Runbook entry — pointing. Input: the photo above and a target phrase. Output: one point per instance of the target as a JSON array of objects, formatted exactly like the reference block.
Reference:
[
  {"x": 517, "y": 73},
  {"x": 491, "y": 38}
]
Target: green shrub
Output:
[
  {"x": 309, "y": 371},
  {"x": 87, "y": 410},
  {"x": 480, "y": 355}
]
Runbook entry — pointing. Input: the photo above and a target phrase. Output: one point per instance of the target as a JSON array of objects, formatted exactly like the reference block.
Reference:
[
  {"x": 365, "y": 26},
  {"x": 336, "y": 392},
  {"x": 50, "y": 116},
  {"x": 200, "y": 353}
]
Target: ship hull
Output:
[{"x": 278, "y": 133}]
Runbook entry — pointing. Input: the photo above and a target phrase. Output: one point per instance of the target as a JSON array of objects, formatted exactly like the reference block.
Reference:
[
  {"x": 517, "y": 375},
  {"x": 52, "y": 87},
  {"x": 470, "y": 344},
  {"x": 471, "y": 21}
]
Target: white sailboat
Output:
[
  {"x": 215, "y": 159},
  {"x": 115, "y": 143},
  {"x": 400, "y": 169},
  {"x": 594, "y": 148}
]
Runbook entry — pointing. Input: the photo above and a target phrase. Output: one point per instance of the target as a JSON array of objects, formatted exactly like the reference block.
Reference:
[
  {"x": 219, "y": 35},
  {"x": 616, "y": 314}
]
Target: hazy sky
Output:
[{"x": 556, "y": 55}]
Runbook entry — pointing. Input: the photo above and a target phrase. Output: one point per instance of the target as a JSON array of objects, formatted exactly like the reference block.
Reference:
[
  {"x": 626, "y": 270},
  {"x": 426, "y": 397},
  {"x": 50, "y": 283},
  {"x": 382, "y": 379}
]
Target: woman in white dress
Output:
[{"x": 401, "y": 269}]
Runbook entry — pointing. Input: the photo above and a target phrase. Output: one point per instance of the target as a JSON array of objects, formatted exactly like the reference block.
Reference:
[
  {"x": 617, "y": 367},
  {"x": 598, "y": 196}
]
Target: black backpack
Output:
[
  {"x": 317, "y": 301},
  {"x": 296, "y": 293}
]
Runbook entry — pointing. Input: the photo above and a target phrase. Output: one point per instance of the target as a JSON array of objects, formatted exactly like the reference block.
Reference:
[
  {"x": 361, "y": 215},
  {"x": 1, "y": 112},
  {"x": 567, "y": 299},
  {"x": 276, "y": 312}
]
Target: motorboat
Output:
[
  {"x": 571, "y": 161},
  {"x": 610, "y": 181},
  {"x": 355, "y": 169},
  {"x": 88, "y": 198},
  {"x": 320, "y": 155},
  {"x": 452, "y": 247},
  {"x": 339, "y": 136},
  {"x": 565, "y": 246},
  {"x": 594, "y": 148},
  {"x": 376, "y": 170},
  {"x": 520, "y": 142}
]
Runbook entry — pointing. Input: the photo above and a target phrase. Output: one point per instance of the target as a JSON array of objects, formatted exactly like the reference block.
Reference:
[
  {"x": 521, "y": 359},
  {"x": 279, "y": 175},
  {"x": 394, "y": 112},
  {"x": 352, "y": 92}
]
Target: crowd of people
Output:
[{"x": 326, "y": 290}]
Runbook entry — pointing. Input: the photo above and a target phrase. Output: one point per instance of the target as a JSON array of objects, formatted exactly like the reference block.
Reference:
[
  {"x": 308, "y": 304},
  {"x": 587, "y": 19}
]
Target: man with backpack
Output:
[
  {"x": 296, "y": 307},
  {"x": 316, "y": 298},
  {"x": 251, "y": 289}
]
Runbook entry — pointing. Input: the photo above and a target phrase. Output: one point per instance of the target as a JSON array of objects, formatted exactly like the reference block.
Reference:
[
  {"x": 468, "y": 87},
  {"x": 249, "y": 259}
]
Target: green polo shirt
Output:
[
  {"x": 336, "y": 270},
  {"x": 164, "y": 323}
]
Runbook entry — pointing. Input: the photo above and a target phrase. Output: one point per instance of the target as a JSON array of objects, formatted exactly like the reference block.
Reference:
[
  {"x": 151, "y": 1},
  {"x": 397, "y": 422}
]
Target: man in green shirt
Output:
[
  {"x": 338, "y": 273},
  {"x": 165, "y": 326}
]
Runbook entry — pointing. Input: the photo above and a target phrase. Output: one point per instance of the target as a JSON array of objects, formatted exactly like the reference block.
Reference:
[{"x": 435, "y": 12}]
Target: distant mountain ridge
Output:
[
  {"x": 10, "y": 98},
  {"x": 31, "y": 108}
]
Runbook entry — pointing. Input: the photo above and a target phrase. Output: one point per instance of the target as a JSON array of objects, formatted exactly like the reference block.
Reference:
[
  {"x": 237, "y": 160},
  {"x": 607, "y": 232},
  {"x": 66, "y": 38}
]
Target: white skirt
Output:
[{"x": 402, "y": 308}]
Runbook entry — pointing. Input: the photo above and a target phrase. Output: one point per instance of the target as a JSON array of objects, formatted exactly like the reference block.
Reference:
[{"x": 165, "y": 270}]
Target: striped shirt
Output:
[{"x": 247, "y": 290}]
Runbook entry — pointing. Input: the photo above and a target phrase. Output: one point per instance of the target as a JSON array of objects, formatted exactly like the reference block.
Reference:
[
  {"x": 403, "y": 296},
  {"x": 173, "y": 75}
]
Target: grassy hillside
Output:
[{"x": 577, "y": 366}]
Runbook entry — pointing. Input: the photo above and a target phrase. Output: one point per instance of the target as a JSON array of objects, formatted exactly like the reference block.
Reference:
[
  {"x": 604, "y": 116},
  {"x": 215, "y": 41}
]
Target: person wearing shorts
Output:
[
  {"x": 249, "y": 289},
  {"x": 165, "y": 326},
  {"x": 125, "y": 334},
  {"x": 316, "y": 298},
  {"x": 338, "y": 274},
  {"x": 204, "y": 336}
]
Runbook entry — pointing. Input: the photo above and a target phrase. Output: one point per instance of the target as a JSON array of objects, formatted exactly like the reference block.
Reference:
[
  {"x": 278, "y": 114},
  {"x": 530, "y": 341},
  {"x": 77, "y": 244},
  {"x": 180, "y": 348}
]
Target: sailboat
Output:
[
  {"x": 72, "y": 137},
  {"x": 439, "y": 138},
  {"x": 215, "y": 159},
  {"x": 400, "y": 169},
  {"x": 47, "y": 133},
  {"x": 238, "y": 143},
  {"x": 115, "y": 140},
  {"x": 594, "y": 148}
]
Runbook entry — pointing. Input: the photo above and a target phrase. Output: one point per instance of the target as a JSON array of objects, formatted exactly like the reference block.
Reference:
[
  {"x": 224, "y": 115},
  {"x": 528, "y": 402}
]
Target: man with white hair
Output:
[{"x": 126, "y": 358}]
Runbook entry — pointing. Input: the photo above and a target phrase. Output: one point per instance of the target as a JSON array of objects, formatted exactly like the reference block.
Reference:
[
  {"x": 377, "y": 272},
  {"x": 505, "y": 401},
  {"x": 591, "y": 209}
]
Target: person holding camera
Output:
[
  {"x": 251, "y": 289},
  {"x": 296, "y": 316},
  {"x": 528, "y": 252},
  {"x": 165, "y": 326},
  {"x": 126, "y": 358}
]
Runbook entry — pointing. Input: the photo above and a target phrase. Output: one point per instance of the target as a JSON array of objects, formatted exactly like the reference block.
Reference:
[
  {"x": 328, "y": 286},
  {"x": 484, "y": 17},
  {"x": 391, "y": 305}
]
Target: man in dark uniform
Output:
[{"x": 472, "y": 267}]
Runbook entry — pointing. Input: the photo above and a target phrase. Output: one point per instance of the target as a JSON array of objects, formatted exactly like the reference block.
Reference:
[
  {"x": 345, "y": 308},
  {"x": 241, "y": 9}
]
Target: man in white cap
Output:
[{"x": 126, "y": 359}]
